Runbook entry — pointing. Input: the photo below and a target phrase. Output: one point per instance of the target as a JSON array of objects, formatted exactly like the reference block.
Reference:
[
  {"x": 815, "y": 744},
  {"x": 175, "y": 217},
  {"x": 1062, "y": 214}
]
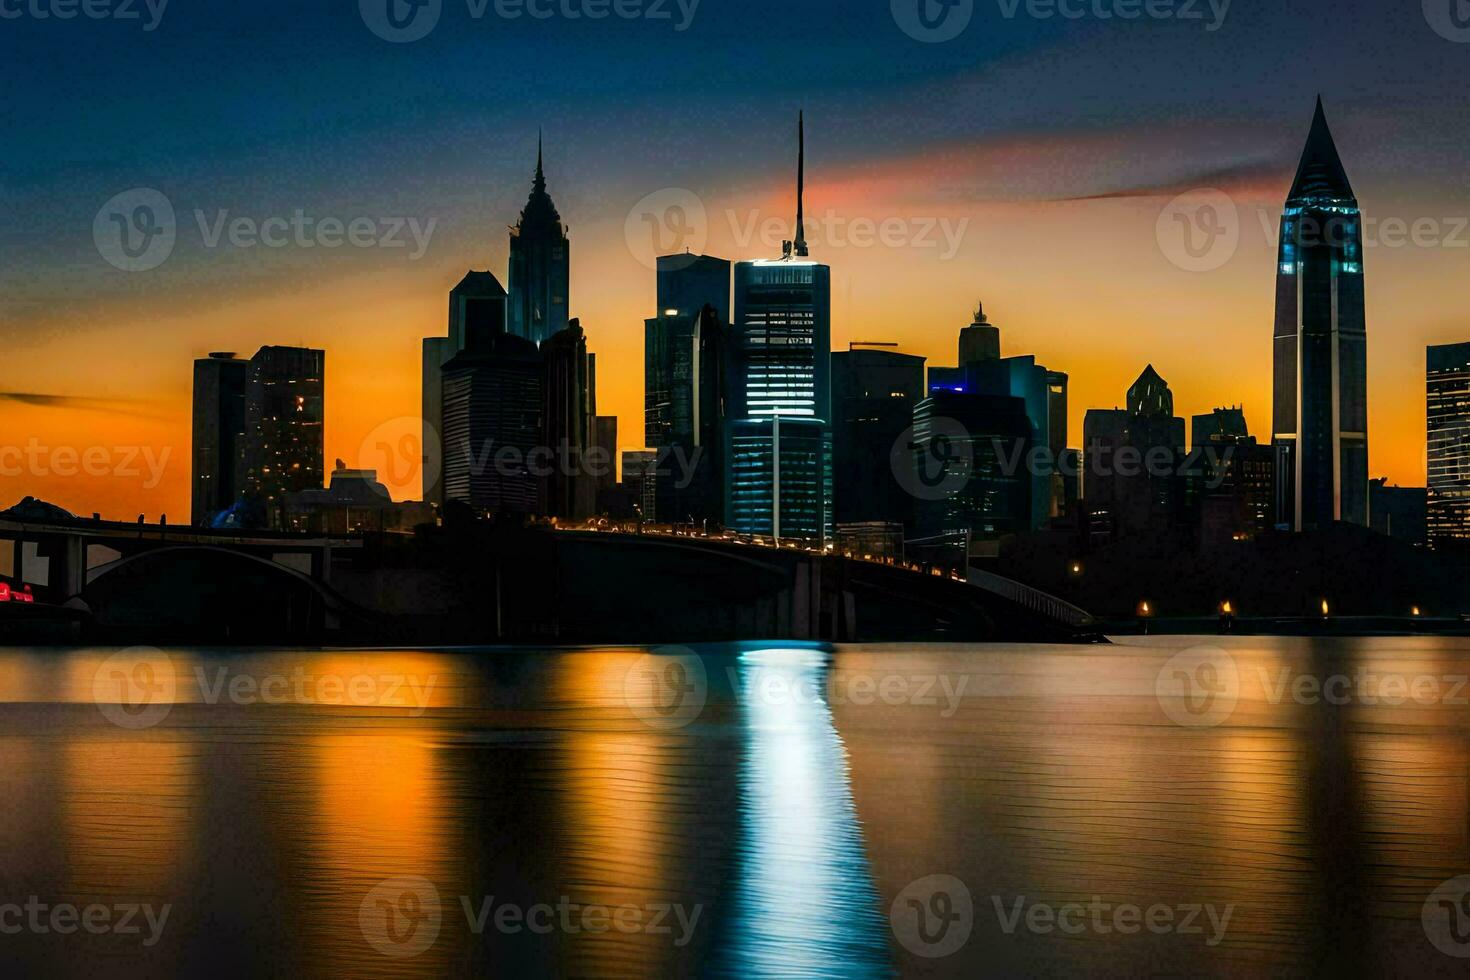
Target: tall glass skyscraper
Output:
[
  {"x": 780, "y": 404},
  {"x": 1320, "y": 422},
  {"x": 1448, "y": 377}
]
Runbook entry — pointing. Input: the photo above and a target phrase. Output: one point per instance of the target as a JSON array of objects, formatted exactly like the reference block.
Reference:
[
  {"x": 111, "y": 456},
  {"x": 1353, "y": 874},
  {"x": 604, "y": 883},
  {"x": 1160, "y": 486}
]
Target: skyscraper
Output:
[
  {"x": 687, "y": 283},
  {"x": 873, "y": 397},
  {"x": 477, "y": 305},
  {"x": 568, "y": 415},
  {"x": 1131, "y": 460},
  {"x": 1448, "y": 410},
  {"x": 540, "y": 266},
  {"x": 492, "y": 424},
  {"x": 219, "y": 421},
  {"x": 780, "y": 445},
  {"x": 284, "y": 411},
  {"x": 1320, "y": 421},
  {"x": 963, "y": 445}
]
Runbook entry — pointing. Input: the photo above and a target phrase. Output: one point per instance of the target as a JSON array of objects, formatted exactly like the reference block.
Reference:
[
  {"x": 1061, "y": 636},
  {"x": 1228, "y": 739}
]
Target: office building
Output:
[
  {"x": 1448, "y": 414},
  {"x": 966, "y": 453},
  {"x": 1320, "y": 420},
  {"x": 780, "y": 438},
  {"x": 1132, "y": 461},
  {"x": 568, "y": 414},
  {"x": 281, "y": 450},
  {"x": 492, "y": 424},
  {"x": 874, "y": 392},
  {"x": 1399, "y": 512},
  {"x": 219, "y": 422}
]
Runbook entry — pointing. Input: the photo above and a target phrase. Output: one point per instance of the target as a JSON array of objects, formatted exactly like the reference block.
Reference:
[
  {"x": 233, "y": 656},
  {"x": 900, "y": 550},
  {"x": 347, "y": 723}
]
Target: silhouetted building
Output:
[
  {"x": 640, "y": 469},
  {"x": 492, "y": 424},
  {"x": 353, "y": 502},
  {"x": 873, "y": 397},
  {"x": 605, "y": 438},
  {"x": 219, "y": 422},
  {"x": 685, "y": 383},
  {"x": 540, "y": 266},
  {"x": 969, "y": 462},
  {"x": 1399, "y": 512},
  {"x": 282, "y": 444},
  {"x": 687, "y": 283},
  {"x": 1320, "y": 421},
  {"x": 983, "y": 372},
  {"x": 570, "y": 408},
  {"x": 476, "y": 306},
  {"x": 780, "y": 443},
  {"x": 1132, "y": 460},
  {"x": 1223, "y": 425},
  {"x": 1448, "y": 415}
]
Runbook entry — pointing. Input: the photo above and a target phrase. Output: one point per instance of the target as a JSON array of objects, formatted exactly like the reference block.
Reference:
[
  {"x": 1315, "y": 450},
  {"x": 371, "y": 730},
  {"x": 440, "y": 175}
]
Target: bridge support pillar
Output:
[{"x": 73, "y": 578}]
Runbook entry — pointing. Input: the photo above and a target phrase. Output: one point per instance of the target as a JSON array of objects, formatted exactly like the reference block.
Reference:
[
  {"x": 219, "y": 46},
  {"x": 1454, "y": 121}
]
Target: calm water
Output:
[{"x": 1154, "y": 807}]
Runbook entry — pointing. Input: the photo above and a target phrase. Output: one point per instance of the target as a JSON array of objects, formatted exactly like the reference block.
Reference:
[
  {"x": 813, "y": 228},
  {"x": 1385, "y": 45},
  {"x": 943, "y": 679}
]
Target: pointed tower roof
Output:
[
  {"x": 1320, "y": 175},
  {"x": 539, "y": 214},
  {"x": 1150, "y": 395}
]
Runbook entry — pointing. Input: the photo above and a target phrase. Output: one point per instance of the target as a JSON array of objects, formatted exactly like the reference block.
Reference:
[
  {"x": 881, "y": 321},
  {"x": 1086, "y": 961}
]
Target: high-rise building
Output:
[
  {"x": 1230, "y": 480},
  {"x": 687, "y": 283},
  {"x": 780, "y": 444},
  {"x": 874, "y": 392},
  {"x": 605, "y": 438},
  {"x": 476, "y": 305},
  {"x": 540, "y": 266},
  {"x": 965, "y": 452},
  {"x": 685, "y": 364},
  {"x": 219, "y": 421},
  {"x": 1448, "y": 412},
  {"x": 284, "y": 412},
  {"x": 1320, "y": 420},
  {"x": 640, "y": 468},
  {"x": 492, "y": 424},
  {"x": 569, "y": 412},
  {"x": 1223, "y": 425},
  {"x": 1132, "y": 460},
  {"x": 982, "y": 371}
]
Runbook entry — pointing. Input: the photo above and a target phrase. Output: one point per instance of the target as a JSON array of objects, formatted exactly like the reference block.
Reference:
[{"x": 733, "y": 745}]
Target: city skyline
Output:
[{"x": 1031, "y": 205}]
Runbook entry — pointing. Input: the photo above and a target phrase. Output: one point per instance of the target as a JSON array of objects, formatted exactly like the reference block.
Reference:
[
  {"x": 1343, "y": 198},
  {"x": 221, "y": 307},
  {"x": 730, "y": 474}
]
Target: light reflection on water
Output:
[{"x": 783, "y": 820}]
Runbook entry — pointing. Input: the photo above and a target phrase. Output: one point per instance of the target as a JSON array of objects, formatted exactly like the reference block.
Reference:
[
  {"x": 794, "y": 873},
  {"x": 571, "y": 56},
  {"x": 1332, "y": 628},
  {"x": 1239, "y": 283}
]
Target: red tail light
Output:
[
  {"x": 26, "y": 595},
  {"x": 4, "y": 592}
]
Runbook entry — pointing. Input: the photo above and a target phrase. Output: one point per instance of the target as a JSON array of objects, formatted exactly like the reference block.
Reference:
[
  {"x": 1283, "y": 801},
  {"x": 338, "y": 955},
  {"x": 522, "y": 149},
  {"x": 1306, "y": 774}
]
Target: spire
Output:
[
  {"x": 540, "y": 179},
  {"x": 1320, "y": 175},
  {"x": 540, "y": 214},
  {"x": 801, "y": 250}
]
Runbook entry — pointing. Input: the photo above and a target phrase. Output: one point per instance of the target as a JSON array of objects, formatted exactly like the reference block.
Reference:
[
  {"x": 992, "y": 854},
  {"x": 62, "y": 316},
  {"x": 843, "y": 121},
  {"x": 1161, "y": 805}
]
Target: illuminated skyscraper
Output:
[
  {"x": 540, "y": 266},
  {"x": 1448, "y": 375},
  {"x": 1320, "y": 423},
  {"x": 780, "y": 445},
  {"x": 284, "y": 410}
]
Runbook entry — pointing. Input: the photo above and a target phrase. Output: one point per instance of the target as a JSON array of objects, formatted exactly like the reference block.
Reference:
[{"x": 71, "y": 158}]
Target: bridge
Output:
[{"x": 485, "y": 583}]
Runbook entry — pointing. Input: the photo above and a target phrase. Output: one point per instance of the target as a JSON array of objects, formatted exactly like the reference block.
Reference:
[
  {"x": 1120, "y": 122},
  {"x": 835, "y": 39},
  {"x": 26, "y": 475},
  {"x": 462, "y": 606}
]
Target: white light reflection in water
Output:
[{"x": 804, "y": 902}]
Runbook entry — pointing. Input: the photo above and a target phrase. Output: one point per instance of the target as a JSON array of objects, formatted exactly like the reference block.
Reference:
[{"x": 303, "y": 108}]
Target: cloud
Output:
[{"x": 111, "y": 406}]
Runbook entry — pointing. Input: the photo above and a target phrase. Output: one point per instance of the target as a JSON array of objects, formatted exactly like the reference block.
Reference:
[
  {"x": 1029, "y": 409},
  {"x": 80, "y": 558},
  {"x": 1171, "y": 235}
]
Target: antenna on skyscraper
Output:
[{"x": 800, "y": 183}]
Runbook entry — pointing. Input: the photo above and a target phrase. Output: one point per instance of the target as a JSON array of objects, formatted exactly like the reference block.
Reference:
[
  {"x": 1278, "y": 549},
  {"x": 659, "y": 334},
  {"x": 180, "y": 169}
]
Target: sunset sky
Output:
[{"x": 1028, "y": 162}]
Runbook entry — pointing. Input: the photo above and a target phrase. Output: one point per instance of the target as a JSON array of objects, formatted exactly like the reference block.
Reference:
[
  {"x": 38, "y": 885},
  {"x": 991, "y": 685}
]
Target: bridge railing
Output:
[{"x": 1036, "y": 600}]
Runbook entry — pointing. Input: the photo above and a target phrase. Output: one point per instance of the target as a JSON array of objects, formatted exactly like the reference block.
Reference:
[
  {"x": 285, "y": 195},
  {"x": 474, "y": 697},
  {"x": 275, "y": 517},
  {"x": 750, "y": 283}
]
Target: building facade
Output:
[
  {"x": 284, "y": 412},
  {"x": 540, "y": 266},
  {"x": 1448, "y": 414},
  {"x": 219, "y": 424},
  {"x": 873, "y": 397},
  {"x": 1320, "y": 419}
]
